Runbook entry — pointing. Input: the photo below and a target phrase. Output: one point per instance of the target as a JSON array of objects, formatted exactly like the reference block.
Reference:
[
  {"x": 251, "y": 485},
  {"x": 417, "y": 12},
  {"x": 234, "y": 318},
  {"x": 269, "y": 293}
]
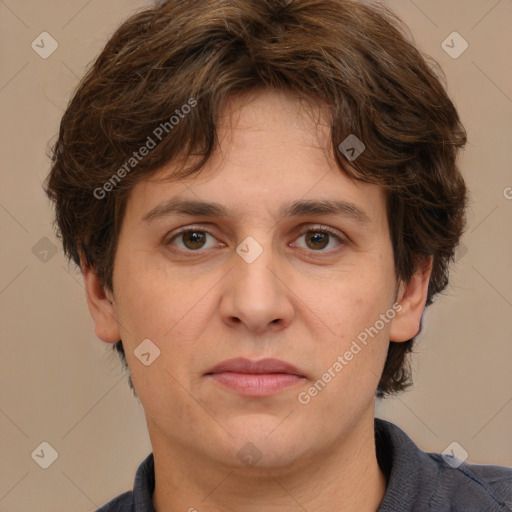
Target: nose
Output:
[{"x": 256, "y": 294}]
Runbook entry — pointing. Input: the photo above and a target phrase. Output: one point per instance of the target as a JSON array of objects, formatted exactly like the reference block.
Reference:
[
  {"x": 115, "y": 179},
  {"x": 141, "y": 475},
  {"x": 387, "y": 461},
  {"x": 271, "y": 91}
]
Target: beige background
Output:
[{"x": 61, "y": 385}]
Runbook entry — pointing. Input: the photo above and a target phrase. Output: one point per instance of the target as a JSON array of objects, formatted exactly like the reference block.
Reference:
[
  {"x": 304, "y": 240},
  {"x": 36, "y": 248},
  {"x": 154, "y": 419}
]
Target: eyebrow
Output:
[{"x": 291, "y": 209}]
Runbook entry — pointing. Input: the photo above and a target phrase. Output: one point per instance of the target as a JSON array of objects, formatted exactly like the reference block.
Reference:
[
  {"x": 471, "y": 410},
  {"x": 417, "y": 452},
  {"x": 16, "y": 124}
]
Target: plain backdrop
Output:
[{"x": 61, "y": 385}]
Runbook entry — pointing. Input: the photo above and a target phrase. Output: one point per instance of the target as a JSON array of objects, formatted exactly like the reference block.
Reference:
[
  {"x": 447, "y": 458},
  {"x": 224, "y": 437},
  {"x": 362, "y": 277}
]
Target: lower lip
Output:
[{"x": 253, "y": 384}]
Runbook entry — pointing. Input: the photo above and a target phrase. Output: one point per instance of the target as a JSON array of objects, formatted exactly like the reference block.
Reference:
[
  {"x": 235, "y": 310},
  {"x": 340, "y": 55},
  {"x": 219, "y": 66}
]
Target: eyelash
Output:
[{"x": 311, "y": 228}]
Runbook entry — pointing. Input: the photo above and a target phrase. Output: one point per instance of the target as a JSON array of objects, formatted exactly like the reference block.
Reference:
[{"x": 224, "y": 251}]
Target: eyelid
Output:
[{"x": 323, "y": 228}]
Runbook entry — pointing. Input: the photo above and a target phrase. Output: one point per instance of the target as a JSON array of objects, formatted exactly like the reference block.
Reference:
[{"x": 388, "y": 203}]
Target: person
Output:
[{"x": 263, "y": 197}]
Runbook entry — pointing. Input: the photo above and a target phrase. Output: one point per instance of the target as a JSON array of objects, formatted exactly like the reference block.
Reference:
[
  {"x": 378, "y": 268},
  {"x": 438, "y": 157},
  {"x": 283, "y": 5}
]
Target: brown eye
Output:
[
  {"x": 193, "y": 239},
  {"x": 190, "y": 240},
  {"x": 318, "y": 239}
]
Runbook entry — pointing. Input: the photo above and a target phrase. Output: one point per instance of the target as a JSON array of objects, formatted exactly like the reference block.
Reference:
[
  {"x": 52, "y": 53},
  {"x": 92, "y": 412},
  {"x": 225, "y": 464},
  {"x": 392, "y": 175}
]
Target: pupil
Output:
[
  {"x": 196, "y": 239},
  {"x": 317, "y": 238}
]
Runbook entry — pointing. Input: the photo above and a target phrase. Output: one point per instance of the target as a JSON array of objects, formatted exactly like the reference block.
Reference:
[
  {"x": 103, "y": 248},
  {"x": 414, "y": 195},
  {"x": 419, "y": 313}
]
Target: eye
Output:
[
  {"x": 318, "y": 237},
  {"x": 192, "y": 239}
]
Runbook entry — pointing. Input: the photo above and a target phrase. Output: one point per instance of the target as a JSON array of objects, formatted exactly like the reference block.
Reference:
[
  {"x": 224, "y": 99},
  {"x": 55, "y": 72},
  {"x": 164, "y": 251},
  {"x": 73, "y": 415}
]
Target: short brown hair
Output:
[{"x": 356, "y": 59}]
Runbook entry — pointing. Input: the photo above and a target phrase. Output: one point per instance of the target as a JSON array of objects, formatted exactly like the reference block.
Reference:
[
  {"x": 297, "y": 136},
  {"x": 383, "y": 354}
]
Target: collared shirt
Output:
[{"x": 416, "y": 481}]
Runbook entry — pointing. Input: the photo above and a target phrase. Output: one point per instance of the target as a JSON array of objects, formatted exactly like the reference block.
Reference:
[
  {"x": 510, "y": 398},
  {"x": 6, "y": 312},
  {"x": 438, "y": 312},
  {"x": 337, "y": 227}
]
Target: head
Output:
[{"x": 255, "y": 105}]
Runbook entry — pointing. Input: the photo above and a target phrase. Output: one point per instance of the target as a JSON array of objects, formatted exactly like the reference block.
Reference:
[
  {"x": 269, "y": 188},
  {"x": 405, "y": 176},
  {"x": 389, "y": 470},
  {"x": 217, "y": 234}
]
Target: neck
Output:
[{"x": 346, "y": 478}]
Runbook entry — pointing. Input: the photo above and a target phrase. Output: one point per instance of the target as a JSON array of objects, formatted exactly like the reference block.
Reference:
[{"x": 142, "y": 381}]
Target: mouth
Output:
[{"x": 255, "y": 378}]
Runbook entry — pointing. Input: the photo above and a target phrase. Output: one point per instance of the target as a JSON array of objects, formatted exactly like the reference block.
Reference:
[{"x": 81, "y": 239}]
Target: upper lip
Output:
[{"x": 242, "y": 365}]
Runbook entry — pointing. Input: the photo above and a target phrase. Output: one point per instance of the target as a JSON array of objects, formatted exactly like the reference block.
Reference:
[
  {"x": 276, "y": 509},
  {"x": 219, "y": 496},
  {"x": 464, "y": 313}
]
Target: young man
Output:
[{"x": 263, "y": 197}]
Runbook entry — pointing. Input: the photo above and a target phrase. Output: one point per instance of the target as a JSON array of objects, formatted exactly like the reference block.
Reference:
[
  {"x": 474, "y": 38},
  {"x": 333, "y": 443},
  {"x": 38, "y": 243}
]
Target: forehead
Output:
[{"x": 273, "y": 150}]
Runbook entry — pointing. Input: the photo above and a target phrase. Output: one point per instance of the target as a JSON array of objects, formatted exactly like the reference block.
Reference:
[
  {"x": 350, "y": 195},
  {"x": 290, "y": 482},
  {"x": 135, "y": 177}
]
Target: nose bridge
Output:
[
  {"x": 256, "y": 295},
  {"x": 255, "y": 260}
]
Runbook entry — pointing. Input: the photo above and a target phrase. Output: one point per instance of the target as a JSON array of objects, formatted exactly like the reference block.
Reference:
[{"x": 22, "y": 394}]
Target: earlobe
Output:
[
  {"x": 101, "y": 306},
  {"x": 412, "y": 297}
]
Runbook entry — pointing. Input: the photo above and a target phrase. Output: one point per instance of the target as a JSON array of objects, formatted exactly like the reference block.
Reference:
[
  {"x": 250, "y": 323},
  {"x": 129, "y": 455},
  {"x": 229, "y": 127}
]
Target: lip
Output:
[
  {"x": 243, "y": 365},
  {"x": 256, "y": 378}
]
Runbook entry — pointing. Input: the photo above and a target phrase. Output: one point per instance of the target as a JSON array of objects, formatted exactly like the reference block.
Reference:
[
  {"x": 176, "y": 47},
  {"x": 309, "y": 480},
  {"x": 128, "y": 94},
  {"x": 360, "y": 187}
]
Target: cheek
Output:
[
  {"x": 356, "y": 315},
  {"x": 149, "y": 303},
  {"x": 167, "y": 309},
  {"x": 351, "y": 302}
]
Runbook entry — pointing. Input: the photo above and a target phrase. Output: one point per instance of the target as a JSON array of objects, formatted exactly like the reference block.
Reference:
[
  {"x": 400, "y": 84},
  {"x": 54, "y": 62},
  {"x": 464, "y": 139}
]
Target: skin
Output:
[{"x": 298, "y": 302}]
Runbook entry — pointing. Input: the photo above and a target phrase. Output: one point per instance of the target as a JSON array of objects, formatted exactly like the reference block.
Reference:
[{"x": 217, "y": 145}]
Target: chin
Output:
[{"x": 264, "y": 444}]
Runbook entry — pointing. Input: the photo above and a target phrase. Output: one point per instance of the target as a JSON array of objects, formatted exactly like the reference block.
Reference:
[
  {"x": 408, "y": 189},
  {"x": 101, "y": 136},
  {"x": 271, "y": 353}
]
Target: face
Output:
[{"x": 266, "y": 278}]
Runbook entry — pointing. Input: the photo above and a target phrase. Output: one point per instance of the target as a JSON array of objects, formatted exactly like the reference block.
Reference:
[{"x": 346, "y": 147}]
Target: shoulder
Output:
[
  {"x": 123, "y": 503},
  {"x": 433, "y": 482},
  {"x": 473, "y": 486}
]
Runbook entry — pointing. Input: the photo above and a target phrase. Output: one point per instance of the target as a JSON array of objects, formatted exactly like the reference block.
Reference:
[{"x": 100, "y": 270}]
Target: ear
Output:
[
  {"x": 101, "y": 306},
  {"x": 412, "y": 297}
]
